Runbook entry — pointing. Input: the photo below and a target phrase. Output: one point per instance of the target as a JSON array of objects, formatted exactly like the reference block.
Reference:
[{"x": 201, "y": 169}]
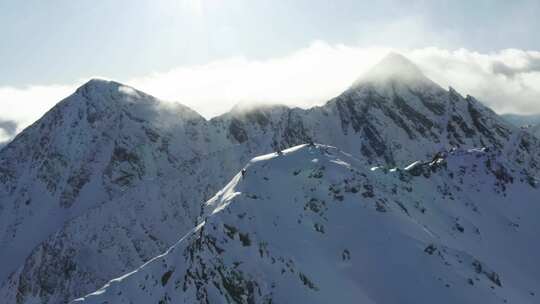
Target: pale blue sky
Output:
[{"x": 60, "y": 41}]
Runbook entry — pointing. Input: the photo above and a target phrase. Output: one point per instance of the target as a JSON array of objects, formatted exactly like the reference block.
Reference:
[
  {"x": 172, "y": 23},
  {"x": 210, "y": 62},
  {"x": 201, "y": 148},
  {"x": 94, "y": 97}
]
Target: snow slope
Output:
[
  {"x": 102, "y": 178},
  {"x": 316, "y": 225}
]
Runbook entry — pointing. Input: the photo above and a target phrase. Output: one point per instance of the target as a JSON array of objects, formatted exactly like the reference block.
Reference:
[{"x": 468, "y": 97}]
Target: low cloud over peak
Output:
[{"x": 507, "y": 81}]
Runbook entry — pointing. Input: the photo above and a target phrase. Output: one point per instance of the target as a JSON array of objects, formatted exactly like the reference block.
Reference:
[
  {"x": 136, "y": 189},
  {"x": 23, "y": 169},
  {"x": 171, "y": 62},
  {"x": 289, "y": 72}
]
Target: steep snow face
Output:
[
  {"x": 316, "y": 225},
  {"x": 101, "y": 184}
]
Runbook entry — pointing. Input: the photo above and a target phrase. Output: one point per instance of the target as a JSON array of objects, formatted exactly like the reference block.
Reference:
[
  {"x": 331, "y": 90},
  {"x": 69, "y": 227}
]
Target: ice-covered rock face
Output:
[
  {"x": 315, "y": 225},
  {"x": 112, "y": 176}
]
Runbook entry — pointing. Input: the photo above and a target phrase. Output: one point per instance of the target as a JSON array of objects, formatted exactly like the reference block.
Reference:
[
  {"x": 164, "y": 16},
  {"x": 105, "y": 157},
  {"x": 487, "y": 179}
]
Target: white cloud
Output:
[
  {"x": 306, "y": 77},
  {"x": 25, "y": 105},
  {"x": 508, "y": 81},
  {"x": 4, "y": 136},
  {"x": 515, "y": 89}
]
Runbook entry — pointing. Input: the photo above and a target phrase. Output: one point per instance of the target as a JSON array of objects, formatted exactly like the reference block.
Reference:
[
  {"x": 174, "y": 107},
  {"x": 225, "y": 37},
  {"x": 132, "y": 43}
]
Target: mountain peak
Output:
[
  {"x": 98, "y": 90},
  {"x": 100, "y": 84},
  {"x": 394, "y": 67},
  {"x": 397, "y": 59}
]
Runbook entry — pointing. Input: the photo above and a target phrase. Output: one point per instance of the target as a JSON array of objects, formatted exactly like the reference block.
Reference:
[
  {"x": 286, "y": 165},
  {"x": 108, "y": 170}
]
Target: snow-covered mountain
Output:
[
  {"x": 112, "y": 177},
  {"x": 316, "y": 225},
  {"x": 96, "y": 187}
]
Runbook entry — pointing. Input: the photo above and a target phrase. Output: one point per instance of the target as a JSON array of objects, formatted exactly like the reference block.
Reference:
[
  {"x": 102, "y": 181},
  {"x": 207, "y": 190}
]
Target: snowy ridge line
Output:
[{"x": 119, "y": 279}]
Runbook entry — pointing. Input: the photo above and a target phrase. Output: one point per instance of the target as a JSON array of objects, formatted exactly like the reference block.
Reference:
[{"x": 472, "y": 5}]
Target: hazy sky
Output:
[
  {"x": 210, "y": 54},
  {"x": 57, "y": 41}
]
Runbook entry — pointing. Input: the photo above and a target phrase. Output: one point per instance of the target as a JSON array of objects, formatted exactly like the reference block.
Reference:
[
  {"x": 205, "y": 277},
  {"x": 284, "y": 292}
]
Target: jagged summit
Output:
[{"x": 395, "y": 68}]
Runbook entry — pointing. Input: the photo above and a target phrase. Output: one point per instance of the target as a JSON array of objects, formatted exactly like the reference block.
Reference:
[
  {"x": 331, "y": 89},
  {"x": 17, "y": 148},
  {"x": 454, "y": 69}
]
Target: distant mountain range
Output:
[{"x": 111, "y": 178}]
